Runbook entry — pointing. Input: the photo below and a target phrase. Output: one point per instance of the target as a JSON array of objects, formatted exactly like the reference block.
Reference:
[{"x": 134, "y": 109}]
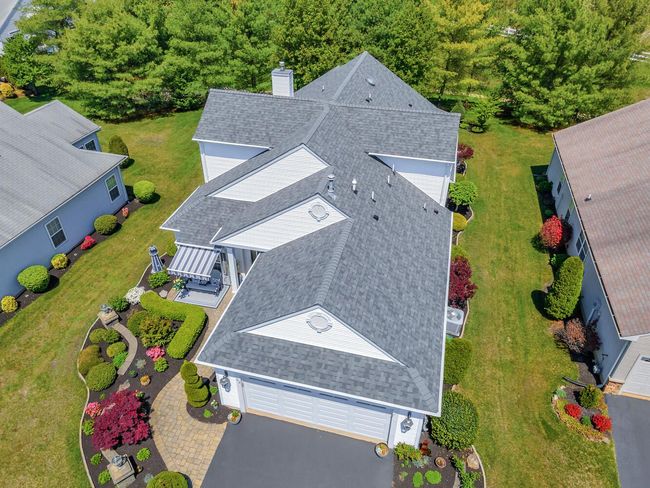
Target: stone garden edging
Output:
[{"x": 480, "y": 463}]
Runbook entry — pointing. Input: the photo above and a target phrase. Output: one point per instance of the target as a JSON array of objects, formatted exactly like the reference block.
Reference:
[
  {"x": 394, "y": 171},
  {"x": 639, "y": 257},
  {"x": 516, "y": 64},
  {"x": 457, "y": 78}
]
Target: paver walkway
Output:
[
  {"x": 133, "y": 347},
  {"x": 185, "y": 444}
]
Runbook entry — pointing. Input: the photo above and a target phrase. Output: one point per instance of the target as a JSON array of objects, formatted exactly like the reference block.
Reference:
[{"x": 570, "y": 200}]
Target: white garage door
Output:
[
  {"x": 638, "y": 381},
  {"x": 319, "y": 409}
]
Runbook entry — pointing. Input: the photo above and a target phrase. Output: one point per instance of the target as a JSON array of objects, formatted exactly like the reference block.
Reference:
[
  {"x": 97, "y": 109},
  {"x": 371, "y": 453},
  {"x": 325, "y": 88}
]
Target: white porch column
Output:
[
  {"x": 232, "y": 269},
  {"x": 248, "y": 260}
]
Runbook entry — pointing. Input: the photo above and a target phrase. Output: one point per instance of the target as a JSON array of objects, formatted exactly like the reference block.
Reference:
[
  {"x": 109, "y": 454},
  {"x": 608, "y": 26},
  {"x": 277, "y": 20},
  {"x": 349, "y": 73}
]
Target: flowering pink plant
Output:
[
  {"x": 125, "y": 212},
  {"x": 93, "y": 409},
  {"x": 155, "y": 352},
  {"x": 88, "y": 243}
]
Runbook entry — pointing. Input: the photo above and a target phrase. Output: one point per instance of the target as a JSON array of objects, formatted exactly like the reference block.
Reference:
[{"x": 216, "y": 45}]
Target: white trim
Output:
[
  {"x": 231, "y": 143},
  {"x": 379, "y": 155},
  {"x": 162, "y": 226},
  {"x": 178, "y": 243},
  {"x": 444, "y": 329},
  {"x": 56, "y": 217}
]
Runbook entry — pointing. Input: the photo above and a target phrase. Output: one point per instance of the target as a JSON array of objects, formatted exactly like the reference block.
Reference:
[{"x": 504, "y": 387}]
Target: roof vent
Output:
[
  {"x": 322, "y": 88},
  {"x": 372, "y": 196},
  {"x": 281, "y": 65},
  {"x": 370, "y": 81},
  {"x": 376, "y": 217},
  {"x": 424, "y": 206},
  {"x": 319, "y": 322},
  {"x": 369, "y": 98},
  {"x": 354, "y": 185},
  {"x": 330, "y": 186},
  {"x": 318, "y": 212},
  {"x": 388, "y": 180},
  {"x": 588, "y": 198}
]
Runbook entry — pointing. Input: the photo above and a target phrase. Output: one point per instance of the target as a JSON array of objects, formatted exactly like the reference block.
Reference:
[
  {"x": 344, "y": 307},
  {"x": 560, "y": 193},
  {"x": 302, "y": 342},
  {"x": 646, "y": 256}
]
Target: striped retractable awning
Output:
[{"x": 193, "y": 262}]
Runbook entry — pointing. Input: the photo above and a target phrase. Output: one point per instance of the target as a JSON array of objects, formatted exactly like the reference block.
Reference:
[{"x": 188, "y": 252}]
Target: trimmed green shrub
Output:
[
  {"x": 34, "y": 278},
  {"x": 463, "y": 192},
  {"x": 8, "y": 304},
  {"x": 457, "y": 427},
  {"x": 101, "y": 376},
  {"x": 111, "y": 336},
  {"x": 433, "y": 477},
  {"x": 195, "y": 389},
  {"x": 135, "y": 320},
  {"x": 87, "y": 358},
  {"x": 158, "y": 279},
  {"x": 88, "y": 427},
  {"x": 459, "y": 222},
  {"x": 171, "y": 249},
  {"x": 418, "y": 479},
  {"x": 586, "y": 420},
  {"x": 458, "y": 355},
  {"x": 104, "y": 477},
  {"x": 144, "y": 191},
  {"x": 105, "y": 224},
  {"x": 557, "y": 260},
  {"x": 96, "y": 459},
  {"x": 115, "y": 348},
  {"x": 117, "y": 146},
  {"x": 59, "y": 261},
  {"x": 118, "y": 303},
  {"x": 168, "y": 479},
  {"x": 193, "y": 318},
  {"x": 590, "y": 397},
  {"x": 119, "y": 358},
  {"x": 156, "y": 331},
  {"x": 98, "y": 335},
  {"x": 458, "y": 251},
  {"x": 143, "y": 454},
  {"x": 563, "y": 297},
  {"x": 160, "y": 365}
]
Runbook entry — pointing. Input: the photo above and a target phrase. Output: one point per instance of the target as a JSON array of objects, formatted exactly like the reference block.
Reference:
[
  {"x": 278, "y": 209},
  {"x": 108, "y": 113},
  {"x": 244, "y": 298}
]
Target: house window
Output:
[
  {"x": 559, "y": 187},
  {"x": 567, "y": 215},
  {"x": 55, "y": 231},
  {"x": 91, "y": 146},
  {"x": 581, "y": 245},
  {"x": 111, "y": 186}
]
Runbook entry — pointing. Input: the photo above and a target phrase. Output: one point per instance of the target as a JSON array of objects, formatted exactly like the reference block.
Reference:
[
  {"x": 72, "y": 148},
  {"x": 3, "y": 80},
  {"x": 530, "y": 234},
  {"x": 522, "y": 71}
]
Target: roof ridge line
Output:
[
  {"x": 262, "y": 95},
  {"x": 421, "y": 384},
  {"x": 317, "y": 124},
  {"x": 330, "y": 269},
  {"x": 338, "y": 91}
]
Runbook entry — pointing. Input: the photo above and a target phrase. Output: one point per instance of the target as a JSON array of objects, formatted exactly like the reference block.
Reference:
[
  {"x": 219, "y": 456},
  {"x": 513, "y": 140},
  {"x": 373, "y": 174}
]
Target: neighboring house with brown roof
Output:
[{"x": 600, "y": 172}]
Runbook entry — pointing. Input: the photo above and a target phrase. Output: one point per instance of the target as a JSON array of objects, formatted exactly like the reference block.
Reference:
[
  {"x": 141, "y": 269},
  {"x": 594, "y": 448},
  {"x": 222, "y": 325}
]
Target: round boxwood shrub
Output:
[
  {"x": 458, "y": 354},
  {"x": 590, "y": 397},
  {"x": 463, "y": 192},
  {"x": 563, "y": 297},
  {"x": 457, "y": 427},
  {"x": 59, "y": 261},
  {"x": 118, "y": 303},
  {"x": 34, "y": 278},
  {"x": 8, "y": 304},
  {"x": 135, "y": 320},
  {"x": 115, "y": 348},
  {"x": 98, "y": 335},
  {"x": 459, "y": 223},
  {"x": 111, "y": 336},
  {"x": 158, "y": 279},
  {"x": 101, "y": 376},
  {"x": 88, "y": 357},
  {"x": 106, "y": 224},
  {"x": 144, "y": 191},
  {"x": 168, "y": 479}
]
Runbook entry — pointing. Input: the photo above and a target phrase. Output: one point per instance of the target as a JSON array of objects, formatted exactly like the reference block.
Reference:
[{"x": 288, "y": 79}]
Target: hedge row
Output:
[{"x": 193, "y": 318}]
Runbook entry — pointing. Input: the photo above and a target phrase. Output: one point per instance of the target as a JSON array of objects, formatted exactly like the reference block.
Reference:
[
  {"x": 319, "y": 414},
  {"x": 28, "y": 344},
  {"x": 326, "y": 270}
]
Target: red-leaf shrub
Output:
[
  {"x": 464, "y": 152},
  {"x": 88, "y": 243},
  {"x": 553, "y": 233},
  {"x": 123, "y": 421},
  {"x": 461, "y": 287},
  {"x": 601, "y": 423},
  {"x": 574, "y": 410}
]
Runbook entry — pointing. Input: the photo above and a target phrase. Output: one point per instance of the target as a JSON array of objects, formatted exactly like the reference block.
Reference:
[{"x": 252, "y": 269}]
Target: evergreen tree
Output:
[
  {"x": 22, "y": 63},
  {"x": 48, "y": 20}
]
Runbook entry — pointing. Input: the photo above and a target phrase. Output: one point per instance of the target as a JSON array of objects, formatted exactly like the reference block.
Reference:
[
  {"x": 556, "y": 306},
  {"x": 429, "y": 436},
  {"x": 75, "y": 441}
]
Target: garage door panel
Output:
[{"x": 638, "y": 380}]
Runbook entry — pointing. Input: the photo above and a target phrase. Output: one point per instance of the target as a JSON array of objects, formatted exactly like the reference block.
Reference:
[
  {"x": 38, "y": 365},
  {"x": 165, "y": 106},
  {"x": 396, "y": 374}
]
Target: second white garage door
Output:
[
  {"x": 319, "y": 409},
  {"x": 638, "y": 381}
]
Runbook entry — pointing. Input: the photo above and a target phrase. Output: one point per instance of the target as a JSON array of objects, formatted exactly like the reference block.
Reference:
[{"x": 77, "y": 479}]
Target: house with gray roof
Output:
[
  {"x": 600, "y": 172},
  {"x": 323, "y": 212},
  {"x": 54, "y": 184}
]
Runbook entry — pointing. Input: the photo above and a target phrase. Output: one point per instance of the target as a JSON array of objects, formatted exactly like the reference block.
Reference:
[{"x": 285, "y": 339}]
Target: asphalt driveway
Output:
[
  {"x": 267, "y": 453},
  {"x": 631, "y": 429}
]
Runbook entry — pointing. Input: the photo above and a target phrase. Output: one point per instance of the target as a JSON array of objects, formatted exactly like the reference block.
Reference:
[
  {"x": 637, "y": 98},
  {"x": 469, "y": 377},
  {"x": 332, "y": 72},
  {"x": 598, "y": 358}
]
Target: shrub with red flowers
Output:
[
  {"x": 93, "y": 409},
  {"x": 155, "y": 352},
  {"x": 464, "y": 152},
  {"x": 461, "y": 287},
  {"x": 553, "y": 233},
  {"x": 123, "y": 421},
  {"x": 601, "y": 423},
  {"x": 88, "y": 243},
  {"x": 574, "y": 410}
]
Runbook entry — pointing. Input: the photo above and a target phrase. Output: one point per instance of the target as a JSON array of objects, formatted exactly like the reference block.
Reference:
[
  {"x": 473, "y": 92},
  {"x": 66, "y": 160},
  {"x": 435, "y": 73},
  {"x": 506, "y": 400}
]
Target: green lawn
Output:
[
  {"x": 41, "y": 397},
  {"x": 516, "y": 365}
]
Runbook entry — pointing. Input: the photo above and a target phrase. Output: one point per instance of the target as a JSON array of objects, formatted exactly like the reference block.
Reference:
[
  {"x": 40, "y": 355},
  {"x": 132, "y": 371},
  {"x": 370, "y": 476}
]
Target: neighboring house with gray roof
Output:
[
  {"x": 50, "y": 191},
  {"x": 600, "y": 172},
  {"x": 323, "y": 212}
]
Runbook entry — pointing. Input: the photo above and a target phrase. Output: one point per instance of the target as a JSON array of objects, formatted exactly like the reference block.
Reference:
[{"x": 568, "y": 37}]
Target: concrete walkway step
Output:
[{"x": 132, "y": 341}]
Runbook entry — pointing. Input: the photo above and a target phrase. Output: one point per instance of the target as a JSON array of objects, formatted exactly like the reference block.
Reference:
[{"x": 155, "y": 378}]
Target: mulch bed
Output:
[
  {"x": 403, "y": 475},
  {"x": 155, "y": 463},
  {"x": 25, "y": 298}
]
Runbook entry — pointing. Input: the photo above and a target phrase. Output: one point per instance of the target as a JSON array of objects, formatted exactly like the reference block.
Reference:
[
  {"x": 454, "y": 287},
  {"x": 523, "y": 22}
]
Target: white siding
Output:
[
  {"x": 284, "y": 227},
  {"x": 233, "y": 396},
  {"x": 217, "y": 157},
  {"x": 284, "y": 171},
  {"x": 339, "y": 338},
  {"x": 429, "y": 176},
  {"x": 636, "y": 349},
  {"x": 411, "y": 436},
  {"x": 638, "y": 380}
]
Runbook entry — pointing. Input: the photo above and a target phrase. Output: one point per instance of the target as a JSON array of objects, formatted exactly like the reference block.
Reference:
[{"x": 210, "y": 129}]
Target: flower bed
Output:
[{"x": 586, "y": 421}]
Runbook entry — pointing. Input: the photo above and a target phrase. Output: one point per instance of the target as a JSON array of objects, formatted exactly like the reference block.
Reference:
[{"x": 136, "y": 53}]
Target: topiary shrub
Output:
[
  {"x": 8, "y": 304},
  {"x": 156, "y": 280},
  {"x": 458, "y": 355},
  {"x": 195, "y": 389},
  {"x": 118, "y": 303},
  {"x": 459, "y": 251},
  {"x": 101, "y": 376},
  {"x": 59, "y": 261},
  {"x": 34, "y": 278},
  {"x": 168, "y": 479},
  {"x": 134, "y": 321},
  {"x": 457, "y": 427},
  {"x": 463, "y": 193},
  {"x": 106, "y": 224},
  {"x": 98, "y": 335},
  {"x": 115, "y": 348},
  {"x": 459, "y": 222},
  {"x": 155, "y": 331},
  {"x": 88, "y": 357},
  {"x": 590, "y": 397},
  {"x": 144, "y": 191},
  {"x": 563, "y": 297}
]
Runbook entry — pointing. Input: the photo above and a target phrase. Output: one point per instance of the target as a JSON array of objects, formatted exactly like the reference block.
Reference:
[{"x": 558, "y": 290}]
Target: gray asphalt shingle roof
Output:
[
  {"x": 40, "y": 171},
  {"x": 62, "y": 121},
  {"x": 386, "y": 277}
]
